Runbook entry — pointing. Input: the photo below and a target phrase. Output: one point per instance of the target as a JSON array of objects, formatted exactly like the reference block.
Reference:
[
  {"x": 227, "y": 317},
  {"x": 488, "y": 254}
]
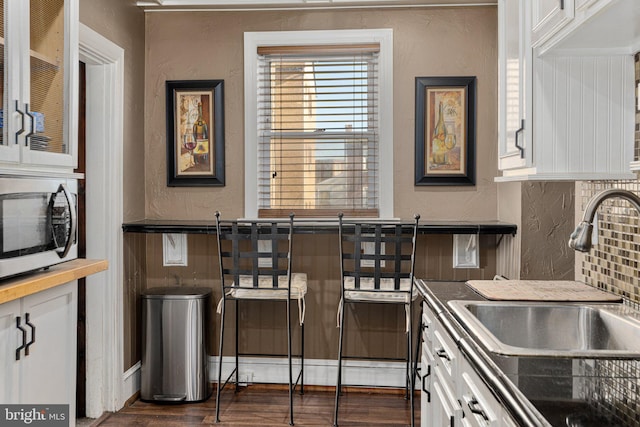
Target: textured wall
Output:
[
  {"x": 123, "y": 23},
  {"x": 547, "y": 222},
  {"x": 427, "y": 42},
  {"x": 544, "y": 214}
]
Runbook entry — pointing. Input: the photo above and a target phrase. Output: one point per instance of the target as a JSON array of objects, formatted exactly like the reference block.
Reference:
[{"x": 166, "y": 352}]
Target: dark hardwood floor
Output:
[{"x": 261, "y": 405}]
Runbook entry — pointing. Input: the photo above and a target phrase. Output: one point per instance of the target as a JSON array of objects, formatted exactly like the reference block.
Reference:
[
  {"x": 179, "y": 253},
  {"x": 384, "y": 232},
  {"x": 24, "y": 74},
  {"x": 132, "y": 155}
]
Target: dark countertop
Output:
[
  {"x": 306, "y": 226},
  {"x": 526, "y": 413}
]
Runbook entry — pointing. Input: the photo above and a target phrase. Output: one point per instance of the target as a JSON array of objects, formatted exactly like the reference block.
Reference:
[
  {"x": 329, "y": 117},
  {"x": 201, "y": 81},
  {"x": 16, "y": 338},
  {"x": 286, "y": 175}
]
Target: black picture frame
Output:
[
  {"x": 195, "y": 159},
  {"x": 445, "y": 158}
]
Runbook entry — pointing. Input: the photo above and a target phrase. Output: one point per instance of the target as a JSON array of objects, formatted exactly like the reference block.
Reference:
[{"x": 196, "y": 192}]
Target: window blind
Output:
[{"x": 318, "y": 130}]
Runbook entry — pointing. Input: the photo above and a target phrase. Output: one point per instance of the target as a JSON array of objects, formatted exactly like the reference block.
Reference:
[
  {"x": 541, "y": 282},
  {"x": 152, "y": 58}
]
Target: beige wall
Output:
[
  {"x": 209, "y": 45},
  {"x": 123, "y": 23},
  {"x": 427, "y": 42}
]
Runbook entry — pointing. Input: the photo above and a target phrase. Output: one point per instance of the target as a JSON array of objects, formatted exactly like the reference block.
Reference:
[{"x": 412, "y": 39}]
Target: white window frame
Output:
[{"x": 385, "y": 111}]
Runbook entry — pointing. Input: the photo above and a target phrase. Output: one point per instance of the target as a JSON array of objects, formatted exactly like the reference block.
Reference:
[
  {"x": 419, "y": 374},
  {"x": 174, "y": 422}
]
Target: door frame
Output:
[{"x": 104, "y": 183}]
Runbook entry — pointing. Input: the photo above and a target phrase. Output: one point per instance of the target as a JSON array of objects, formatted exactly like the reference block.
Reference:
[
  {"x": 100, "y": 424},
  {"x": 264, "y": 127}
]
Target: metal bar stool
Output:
[
  {"x": 255, "y": 264},
  {"x": 377, "y": 261}
]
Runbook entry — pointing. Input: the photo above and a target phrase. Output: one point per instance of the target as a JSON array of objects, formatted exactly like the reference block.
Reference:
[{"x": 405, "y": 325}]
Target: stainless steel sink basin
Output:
[{"x": 552, "y": 329}]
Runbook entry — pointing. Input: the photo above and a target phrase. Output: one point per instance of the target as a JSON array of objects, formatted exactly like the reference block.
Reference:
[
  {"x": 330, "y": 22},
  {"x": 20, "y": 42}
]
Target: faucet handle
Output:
[{"x": 580, "y": 239}]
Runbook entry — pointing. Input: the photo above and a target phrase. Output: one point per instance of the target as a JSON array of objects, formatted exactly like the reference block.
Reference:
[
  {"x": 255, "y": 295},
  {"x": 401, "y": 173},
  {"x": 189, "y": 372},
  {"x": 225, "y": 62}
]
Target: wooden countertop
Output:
[{"x": 21, "y": 286}]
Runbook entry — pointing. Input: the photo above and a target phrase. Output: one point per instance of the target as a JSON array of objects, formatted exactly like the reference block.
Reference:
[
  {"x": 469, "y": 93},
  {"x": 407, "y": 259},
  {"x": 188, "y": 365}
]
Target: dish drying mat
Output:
[{"x": 540, "y": 290}]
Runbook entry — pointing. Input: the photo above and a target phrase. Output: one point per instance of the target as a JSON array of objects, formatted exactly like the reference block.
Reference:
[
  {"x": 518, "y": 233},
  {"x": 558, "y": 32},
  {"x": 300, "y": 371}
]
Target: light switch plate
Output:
[
  {"x": 174, "y": 249},
  {"x": 466, "y": 253}
]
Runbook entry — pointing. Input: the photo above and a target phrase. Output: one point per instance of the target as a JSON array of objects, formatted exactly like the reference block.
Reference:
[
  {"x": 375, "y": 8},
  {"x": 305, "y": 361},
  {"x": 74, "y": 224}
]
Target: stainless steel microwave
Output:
[{"x": 38, "y": 223}]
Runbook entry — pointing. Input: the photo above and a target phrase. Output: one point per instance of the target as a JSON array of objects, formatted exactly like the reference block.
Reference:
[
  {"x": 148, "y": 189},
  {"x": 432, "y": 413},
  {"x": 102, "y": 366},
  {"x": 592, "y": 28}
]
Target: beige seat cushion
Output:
[
  {"x": 265, "y": 291},
  {"x": 265, "y": 287},
  {"x": 385, "y": 294}
]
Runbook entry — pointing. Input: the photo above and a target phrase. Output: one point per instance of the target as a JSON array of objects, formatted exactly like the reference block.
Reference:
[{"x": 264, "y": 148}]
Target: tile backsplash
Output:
[{"x": 613, "y": 264}]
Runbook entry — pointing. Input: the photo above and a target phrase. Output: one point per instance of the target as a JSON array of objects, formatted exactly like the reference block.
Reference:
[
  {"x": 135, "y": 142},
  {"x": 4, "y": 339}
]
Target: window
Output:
[{"x": 318, "y": 123}]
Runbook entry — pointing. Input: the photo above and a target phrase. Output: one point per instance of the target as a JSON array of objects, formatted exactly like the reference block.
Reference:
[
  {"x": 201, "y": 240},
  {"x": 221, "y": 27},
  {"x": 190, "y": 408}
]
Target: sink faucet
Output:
[{"x": 580, "y": 239}]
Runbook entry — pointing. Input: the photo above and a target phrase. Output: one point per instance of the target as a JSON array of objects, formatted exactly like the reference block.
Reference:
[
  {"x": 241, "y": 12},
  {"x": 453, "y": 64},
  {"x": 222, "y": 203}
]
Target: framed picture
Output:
[
  {"x": 195, "y": 133},
  {"x": 445, "y": 130}
]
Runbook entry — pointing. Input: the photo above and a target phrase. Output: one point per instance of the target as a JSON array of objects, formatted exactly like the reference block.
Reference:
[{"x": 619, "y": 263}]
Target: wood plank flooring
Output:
[{"x": 261, "y": 405}]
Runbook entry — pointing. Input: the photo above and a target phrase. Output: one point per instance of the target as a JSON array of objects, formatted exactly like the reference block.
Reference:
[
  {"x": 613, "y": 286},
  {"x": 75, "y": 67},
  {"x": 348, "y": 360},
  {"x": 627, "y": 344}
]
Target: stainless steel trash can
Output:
[{"x": 175, "y": 342}]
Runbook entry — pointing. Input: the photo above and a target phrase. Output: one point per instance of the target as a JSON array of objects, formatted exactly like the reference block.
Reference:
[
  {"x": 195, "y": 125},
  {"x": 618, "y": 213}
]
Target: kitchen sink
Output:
[{"x": 573, "y": 330}]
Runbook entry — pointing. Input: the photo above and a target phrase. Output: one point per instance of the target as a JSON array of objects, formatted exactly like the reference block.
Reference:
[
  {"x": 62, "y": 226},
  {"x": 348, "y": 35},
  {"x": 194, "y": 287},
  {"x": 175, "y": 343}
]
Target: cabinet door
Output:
[
  {"x": 48, "y": 372},
  {"x": 426, "y": 389},
  {"x": 10, "y": 340},
  {"x": 40, "y": 111},
  {"x": 548, "y": 16},
  {"x": 10, "y": 84},
  {"x": 514, "y": 60},
  {"x": 445, "y": 408},
  {"x": 479, "y": 406}
]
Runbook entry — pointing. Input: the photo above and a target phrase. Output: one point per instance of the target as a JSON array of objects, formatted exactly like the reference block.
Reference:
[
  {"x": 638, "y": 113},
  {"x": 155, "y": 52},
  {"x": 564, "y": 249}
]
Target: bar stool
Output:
[
  {"x": 255, "y": 264},
  {"x": 377, "y": 261}
]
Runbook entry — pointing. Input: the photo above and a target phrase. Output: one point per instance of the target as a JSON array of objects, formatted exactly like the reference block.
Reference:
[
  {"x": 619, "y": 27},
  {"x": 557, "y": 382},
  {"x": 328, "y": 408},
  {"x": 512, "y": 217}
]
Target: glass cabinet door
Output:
[
  {"x": 47, "y": 76},
  {"x": 39, "y": 40}
]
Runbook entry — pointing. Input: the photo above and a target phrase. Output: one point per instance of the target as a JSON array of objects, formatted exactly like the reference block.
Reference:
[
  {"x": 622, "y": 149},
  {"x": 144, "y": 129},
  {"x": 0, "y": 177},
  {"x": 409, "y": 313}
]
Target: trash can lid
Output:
[{"x": 176, "y": 292}]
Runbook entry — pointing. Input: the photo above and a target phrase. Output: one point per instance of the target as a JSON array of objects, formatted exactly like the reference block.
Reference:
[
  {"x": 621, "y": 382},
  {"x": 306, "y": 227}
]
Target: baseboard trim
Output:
[
  {"x": 317, "y": 372},
  {"x": 131, "y": 381},
  {"x": 274, "y": 370}
]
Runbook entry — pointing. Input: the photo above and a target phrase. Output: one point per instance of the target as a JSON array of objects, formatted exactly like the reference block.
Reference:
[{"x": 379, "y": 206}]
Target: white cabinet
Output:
[
  {"x": 9, "y": 339},
  {"x": 40, "y": 86},
  {"x": 598, "y": 27},
  {"x": 479, "y": 407},
  {"x": 562, "y": 116},
  {"x": 453, "y": 394},
  {"x": 46, "y": 369},
  {"x": 549, "y": 16},
  {"x": 445, "y": 409},
  {"x": 514, "y": 80}
]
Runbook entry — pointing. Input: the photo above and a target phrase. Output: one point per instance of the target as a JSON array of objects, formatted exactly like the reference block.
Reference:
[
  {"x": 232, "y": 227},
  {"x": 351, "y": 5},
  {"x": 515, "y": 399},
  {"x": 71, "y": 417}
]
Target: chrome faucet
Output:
[{"x": 580, "y": 239}]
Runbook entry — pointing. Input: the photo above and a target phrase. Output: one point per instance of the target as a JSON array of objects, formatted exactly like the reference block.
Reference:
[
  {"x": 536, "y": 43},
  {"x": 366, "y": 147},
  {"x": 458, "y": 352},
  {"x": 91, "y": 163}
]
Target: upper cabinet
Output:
[
  {"x": 39, "y": 86},
  {"x": 548, "y": 16},
  {"x": 566, "y": 109},
  {"x": 514, "y": 117},
  {"x": 598, "y": 27}
]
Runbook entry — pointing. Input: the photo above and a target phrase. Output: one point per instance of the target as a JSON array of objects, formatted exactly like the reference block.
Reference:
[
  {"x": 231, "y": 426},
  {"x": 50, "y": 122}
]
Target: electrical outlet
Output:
[{"x": 174, "y": 249}]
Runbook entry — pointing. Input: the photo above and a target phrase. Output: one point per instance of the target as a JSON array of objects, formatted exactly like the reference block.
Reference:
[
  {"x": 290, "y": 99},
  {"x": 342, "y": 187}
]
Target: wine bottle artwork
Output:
[
  {"x": 438, "y": 143},
  {"x": 444, "y": 151},
  {"x": 445, "y": 131},
  {"x": 200, "y": 129},
  {"x": 201, "y": 136},
  {"x": 195, "y": 133}
]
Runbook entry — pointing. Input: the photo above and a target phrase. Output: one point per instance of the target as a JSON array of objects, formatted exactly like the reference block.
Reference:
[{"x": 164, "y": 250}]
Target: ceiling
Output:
[{"x": 168, "y": 5}]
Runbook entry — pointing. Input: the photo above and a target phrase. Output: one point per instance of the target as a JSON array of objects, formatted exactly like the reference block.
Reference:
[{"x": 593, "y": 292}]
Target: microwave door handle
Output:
[{"x": 74, "y": 224}]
